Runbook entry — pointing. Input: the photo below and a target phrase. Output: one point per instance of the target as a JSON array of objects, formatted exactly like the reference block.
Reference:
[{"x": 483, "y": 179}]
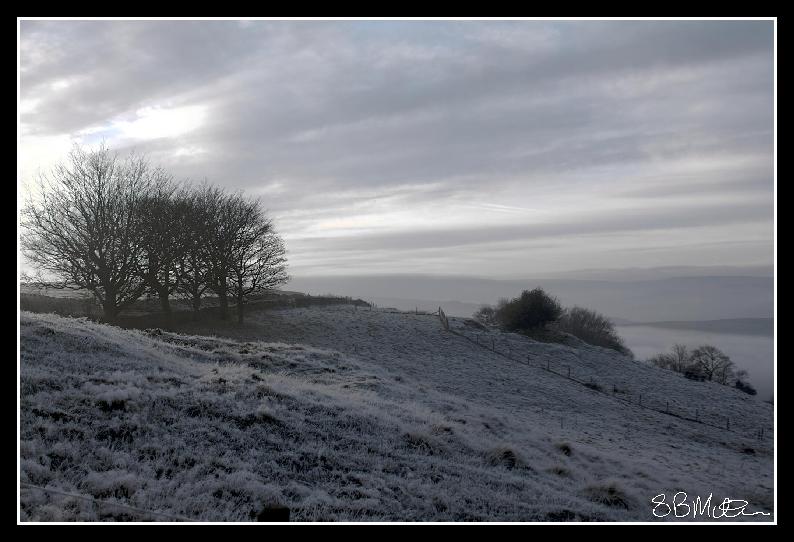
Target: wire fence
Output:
[{"x": 612, "y": 390}]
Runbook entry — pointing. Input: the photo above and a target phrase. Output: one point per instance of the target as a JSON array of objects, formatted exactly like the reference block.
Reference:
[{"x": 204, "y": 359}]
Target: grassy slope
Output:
[{"x": 362, "y": 415}]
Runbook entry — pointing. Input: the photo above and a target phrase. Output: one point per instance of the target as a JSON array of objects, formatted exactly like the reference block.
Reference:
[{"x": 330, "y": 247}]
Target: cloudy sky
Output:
[{"x": 494, "y": 149}]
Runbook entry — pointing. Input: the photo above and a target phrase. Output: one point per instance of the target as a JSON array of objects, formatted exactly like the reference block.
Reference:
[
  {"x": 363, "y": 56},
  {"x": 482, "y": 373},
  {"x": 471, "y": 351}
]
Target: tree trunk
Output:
[
  {"x": 109, "y": 307},
  {"x": 110, "y": 311},
  {"x": 165, "y": 305},
  {"x": 224, "y": 303},
  {"x": 196, "y": 305},
  {"x": 239, "y": 307}
]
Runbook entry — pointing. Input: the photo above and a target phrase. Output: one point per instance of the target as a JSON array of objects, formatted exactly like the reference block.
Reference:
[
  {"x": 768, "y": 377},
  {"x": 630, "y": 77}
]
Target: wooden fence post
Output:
[{"x": 443, "y": 318}]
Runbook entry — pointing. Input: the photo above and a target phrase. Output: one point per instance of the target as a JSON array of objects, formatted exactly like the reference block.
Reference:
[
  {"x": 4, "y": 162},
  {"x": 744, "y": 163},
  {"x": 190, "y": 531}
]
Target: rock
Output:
[{"x": 273, "y": 514}]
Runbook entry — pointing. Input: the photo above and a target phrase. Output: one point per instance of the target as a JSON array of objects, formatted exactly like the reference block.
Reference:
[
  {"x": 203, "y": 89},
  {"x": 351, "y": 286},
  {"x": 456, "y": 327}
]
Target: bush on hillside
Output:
[
  {"x": 593, "y": 328},
  {"x": 745, "y": 387},
  {"x": 532, "y": 310},
  {"x": 486, "y": 315}
]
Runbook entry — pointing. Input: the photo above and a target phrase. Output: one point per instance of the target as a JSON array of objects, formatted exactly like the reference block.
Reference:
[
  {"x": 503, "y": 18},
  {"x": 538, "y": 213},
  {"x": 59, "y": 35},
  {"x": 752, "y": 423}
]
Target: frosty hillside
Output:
[{"x": 346, "y": 414}]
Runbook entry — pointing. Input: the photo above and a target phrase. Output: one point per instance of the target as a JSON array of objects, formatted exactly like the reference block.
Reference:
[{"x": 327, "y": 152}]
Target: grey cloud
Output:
[
  {"x": 635, "y": 221},
  {"x": 363, "y": 110}
]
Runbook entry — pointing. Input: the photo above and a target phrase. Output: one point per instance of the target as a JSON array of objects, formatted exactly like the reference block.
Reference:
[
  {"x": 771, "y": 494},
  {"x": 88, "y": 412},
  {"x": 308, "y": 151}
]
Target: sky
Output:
[{"x": 496, "y": 149}]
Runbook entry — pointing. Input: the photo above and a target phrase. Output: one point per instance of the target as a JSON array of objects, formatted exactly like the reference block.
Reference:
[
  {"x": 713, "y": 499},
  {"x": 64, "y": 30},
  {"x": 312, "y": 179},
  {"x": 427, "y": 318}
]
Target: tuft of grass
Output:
[
  {"x": 559, "y": 470},
  {"x": 504, "y": 456},
  {"x": 422, "y": 442},
  {"x": 561, "y": 515},
  {"x": 609, "y": 494},
  {"x": 565, "y": 448}
]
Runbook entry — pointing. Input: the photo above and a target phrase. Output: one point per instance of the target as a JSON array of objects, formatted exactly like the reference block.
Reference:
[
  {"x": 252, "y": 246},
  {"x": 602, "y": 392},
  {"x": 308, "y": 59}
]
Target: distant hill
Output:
[
  {"x": 663, "y": 299},
  {"x": 734, "y": 326}
]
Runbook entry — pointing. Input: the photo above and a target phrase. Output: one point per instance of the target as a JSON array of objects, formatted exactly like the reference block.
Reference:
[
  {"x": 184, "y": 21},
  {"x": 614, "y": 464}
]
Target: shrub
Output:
[
  {"x": 693, "y": 372},
  {"x": 533, "y": 309},
  {"x": 713, "y": 363},
  {"x": 665, "y": 361},
  {"x": 486, "y": 315},
  {"x": 505, "y": 457},
  {"x": 745, "y": 387},
  {"x": 593, "y": 328},
  {"x": 609, "y": 494},
  {"x": 593, "y": 386}
]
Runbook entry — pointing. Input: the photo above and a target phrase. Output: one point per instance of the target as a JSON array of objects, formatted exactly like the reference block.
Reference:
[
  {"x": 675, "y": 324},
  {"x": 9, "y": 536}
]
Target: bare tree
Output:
[
  {"x": 485, "y": 315},
  {"x": 243, "y": 255},
  {"x": 259, "y": 262},
  {"x": 679, "y": 358},
  {"x": 663, "y": 360},
  {"x": 222, "y": 213},
  {"x": 713, "y": 363},
  {"x": 86, "y": 228},
  {"x": 163, "y": 215},
  {"x": 192, "y": 266}
]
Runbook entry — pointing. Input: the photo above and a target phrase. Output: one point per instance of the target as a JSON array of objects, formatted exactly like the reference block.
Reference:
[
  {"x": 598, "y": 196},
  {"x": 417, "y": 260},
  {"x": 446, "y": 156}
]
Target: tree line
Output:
[
  {"x": 704, "y": 363},
  {"x": 122, "y": 228}
]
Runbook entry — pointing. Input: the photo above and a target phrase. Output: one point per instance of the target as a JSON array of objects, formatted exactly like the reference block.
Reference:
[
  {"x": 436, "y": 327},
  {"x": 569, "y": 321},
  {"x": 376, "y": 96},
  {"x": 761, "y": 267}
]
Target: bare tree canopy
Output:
[
  {"x": 162, "y": 218},
  {"x": 705, "y": 362},
  {"x": 86, "y": 229},
  {"x": 713, "y": 363},
  {"x": 258, "y": 262},
  {"x": 192, "y": 265}
]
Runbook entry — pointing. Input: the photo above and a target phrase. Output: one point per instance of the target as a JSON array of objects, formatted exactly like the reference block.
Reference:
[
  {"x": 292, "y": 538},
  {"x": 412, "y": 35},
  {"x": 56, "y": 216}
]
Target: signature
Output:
[{"x": 680, "y": 507}]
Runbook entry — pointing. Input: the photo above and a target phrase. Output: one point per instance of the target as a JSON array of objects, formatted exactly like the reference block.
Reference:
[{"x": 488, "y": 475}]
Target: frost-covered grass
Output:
[{"x": 356, "y": 415}]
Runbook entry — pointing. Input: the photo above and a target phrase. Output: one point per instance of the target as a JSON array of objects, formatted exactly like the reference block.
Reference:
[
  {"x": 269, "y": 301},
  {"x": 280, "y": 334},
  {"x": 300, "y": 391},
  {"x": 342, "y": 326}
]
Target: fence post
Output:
[
  {"x": 443, "y": 318},
  {"x": 667, "y": 408},
  {"x": 569, "y": 371},
  {"x": 727, "y": 423},
  {"x": 640, "y": 399}
]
